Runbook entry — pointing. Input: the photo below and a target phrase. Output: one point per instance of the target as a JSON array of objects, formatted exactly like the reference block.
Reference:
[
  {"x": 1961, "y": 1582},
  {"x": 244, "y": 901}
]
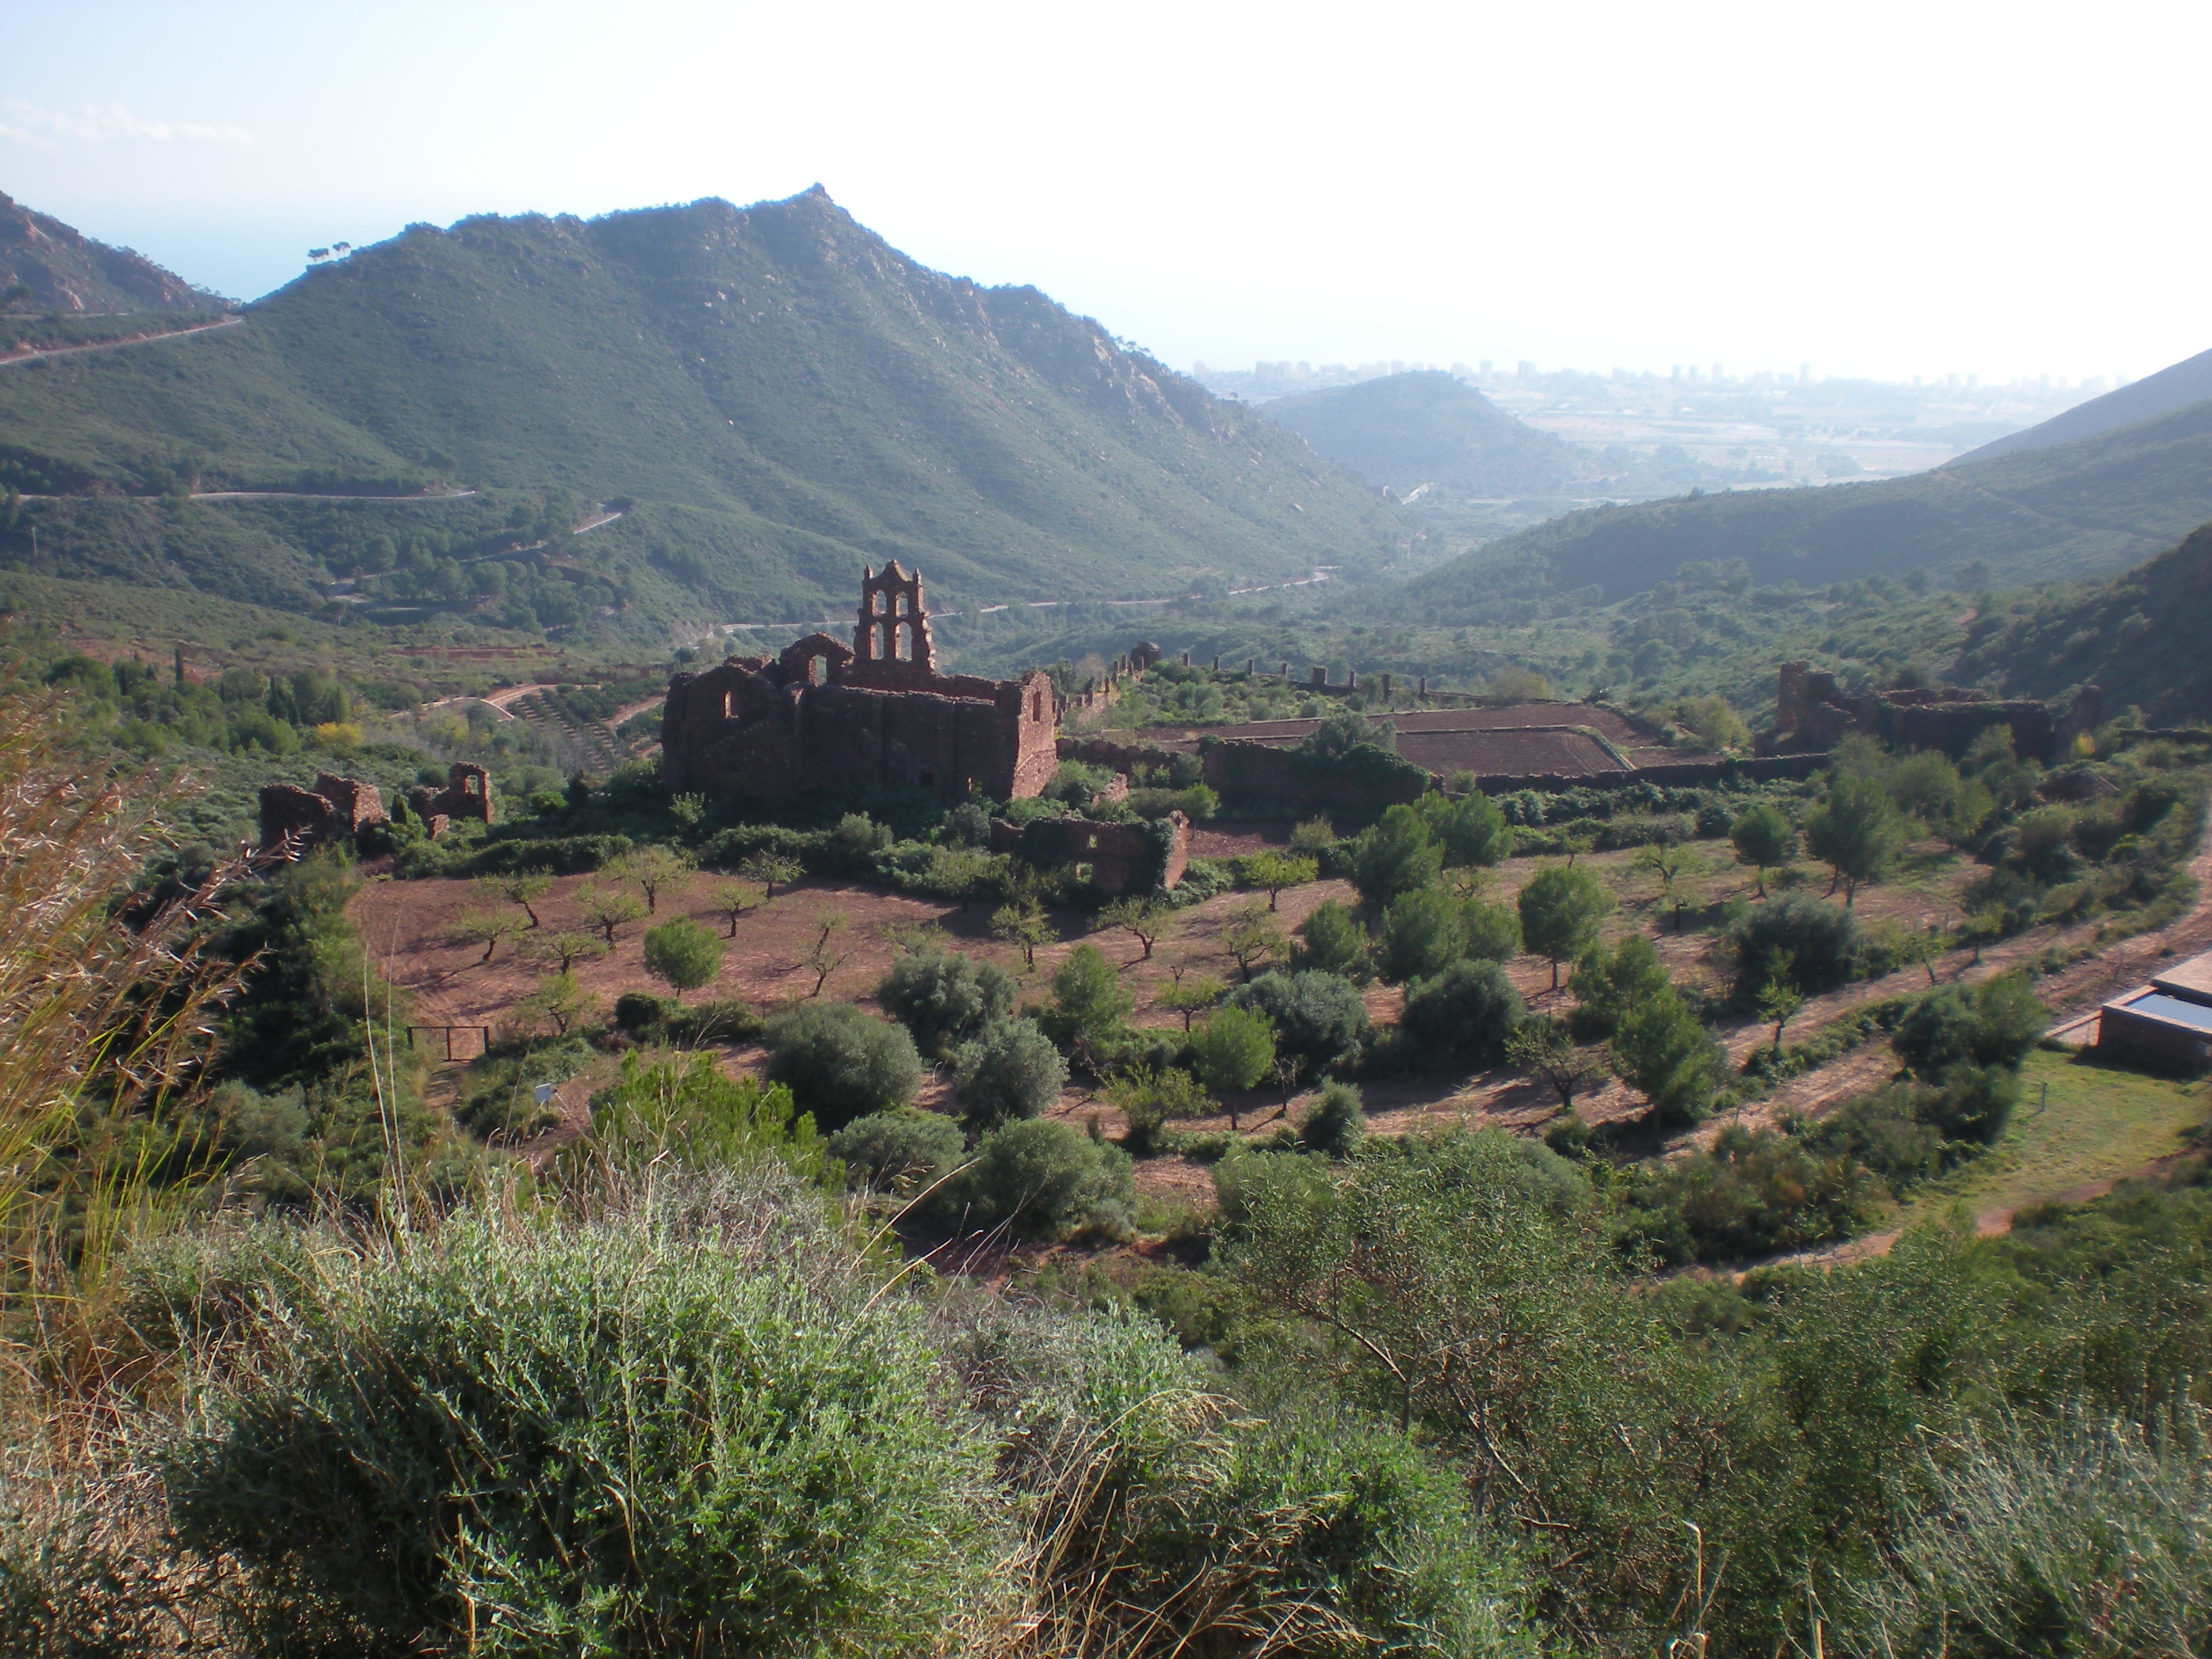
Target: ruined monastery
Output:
[{"x": 877, "y": 714}]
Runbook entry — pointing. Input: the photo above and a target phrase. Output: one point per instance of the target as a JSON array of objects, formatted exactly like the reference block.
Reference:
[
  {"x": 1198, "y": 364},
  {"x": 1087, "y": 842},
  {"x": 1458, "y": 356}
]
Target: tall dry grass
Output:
[{"x": 107, "y": 992}]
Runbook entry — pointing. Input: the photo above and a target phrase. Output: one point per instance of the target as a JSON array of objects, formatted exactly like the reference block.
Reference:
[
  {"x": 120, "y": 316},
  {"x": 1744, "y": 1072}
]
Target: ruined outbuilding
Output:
[
  {"x": 826, "y": 717},
  {"x": 296, "y": 820},
  {"x": 1114, "y": 858},
  {"x": 1814, "y": 712},
  {"x": 467, "y": 795}
]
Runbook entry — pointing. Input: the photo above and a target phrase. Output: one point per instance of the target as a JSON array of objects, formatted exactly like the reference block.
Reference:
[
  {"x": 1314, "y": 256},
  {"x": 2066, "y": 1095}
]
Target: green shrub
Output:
[
  {"x": 1820, "y": 944},
  {"x": 499, "y": 1093},
  {"x": 640, "y": 1013},
  {"x": 561, "y": 856},
  {"x": 728, "y": 1022},
  {"x": 1318, "y": 1017},
  {"x": 1422, "y": 933},
  {"x": 682, "y": 954},
  {"x": 1395, "y": 854},
  {"x": 1336, "y": 1125},
  {"x": 1606, "y": 986},
  {"x": 1043, "y": 1178},
  {"x": 693, "y": 1449},
  {"x": 1994, "y": 1024},
  {"x": 1756, "y": 1193},
  {"x": 1332, "y": 941},
  {"x": 1233, "y": 1050},
  {"x": 1661, "y": 1050},
  {"x": 1973, "y": 1103},
  {"x": 1091, "y": 1006},
  {"x": 687, "y": 1108},
  {"x": 1009, "y": 1070},
  {"x": 944, "y": 999},
  {"x": 1465, "y": 1014},
  {"x": 839, "y": 1064},
  {"x": 902, "y": 1150}
]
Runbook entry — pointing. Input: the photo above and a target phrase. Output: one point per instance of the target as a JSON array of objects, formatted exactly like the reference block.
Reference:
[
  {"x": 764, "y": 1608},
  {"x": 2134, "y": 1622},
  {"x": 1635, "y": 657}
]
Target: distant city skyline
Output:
[{"x": 1904, "y": 189}]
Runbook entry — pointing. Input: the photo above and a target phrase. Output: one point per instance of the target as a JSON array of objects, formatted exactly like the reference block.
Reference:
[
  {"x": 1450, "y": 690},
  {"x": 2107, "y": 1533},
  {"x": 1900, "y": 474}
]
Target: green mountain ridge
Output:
[
  {"x": 776, "y": 395},
  {"x": 2140, "y": 637},
  {"x": 2088, "y": 507},
  {"x": 2174, "y": 388},
  {"x": 1401, "y": 431}
]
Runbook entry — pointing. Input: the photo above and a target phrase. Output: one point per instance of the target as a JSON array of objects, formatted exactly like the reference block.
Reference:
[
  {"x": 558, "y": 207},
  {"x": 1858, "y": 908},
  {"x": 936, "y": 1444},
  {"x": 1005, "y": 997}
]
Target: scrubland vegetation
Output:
[{"x": 856, "y": 1326}]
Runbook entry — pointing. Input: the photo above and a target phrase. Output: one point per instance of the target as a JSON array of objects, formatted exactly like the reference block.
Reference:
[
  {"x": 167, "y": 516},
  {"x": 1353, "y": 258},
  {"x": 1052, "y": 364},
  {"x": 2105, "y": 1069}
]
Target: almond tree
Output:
[{"x": 607, "y": 911}]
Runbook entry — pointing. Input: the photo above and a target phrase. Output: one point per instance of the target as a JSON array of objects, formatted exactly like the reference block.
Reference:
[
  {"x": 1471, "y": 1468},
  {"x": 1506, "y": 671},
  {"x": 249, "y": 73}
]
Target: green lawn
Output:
[{"x": 2080, "y": 1119}]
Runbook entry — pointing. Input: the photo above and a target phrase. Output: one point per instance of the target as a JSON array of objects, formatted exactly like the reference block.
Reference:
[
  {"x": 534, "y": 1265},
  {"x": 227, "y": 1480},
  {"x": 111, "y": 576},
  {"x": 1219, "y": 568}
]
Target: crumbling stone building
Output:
[
  {"x": 1114, "y": 858},
  {"x": 826, "y": 717},
  {"x": 295, "y": 820},
  {"x": 1810, "y": 707},
  {"x": 467, "y": 794}
]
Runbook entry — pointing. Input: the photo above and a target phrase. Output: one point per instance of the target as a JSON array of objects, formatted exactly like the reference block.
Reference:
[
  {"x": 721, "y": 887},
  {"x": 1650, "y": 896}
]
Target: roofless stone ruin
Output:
[{"x": 876, "y": 714}]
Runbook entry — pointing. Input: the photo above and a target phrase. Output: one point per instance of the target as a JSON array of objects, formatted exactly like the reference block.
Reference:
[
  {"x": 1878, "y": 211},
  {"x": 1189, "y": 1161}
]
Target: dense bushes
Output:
[
  {"x": 1318, "y": 1019},
  {"x": 1465, "y": 1014},
  {"x": 1009, "y": 1070},
  {"x": 839, "y": 1064},
  {"x": 1994, "y": 1024},
  {"x": 1042, "y": 1178},
  {"x": 942, "y": 999},
  {"x": 901, "y": 1149},
  {"x": 661, "y": 1398},
  {"x": 1815, "y": 945}
]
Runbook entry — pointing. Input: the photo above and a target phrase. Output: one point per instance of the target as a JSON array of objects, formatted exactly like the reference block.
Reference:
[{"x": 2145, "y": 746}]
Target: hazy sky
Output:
[{"x": 1882, "y": 188}]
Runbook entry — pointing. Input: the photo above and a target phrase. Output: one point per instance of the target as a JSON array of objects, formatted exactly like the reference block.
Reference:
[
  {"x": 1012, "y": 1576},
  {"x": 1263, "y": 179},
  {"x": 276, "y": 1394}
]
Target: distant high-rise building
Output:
[
  {"x": 1526, "y": 371},
  {"x": 1804, "y": 375},
  {"x": 1485, "y": 368},
  {"x": 1397, "y": 365},
  {"x": 1677, "y": 374},
  {"x": 1717, "y": 373}
]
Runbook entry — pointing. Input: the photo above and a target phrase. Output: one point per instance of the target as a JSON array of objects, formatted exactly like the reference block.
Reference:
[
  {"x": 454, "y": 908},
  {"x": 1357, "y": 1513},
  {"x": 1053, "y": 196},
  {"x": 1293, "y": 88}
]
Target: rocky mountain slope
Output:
[
  {"x": 775, "y": 395},
  {"x": 46, "y": 266}
]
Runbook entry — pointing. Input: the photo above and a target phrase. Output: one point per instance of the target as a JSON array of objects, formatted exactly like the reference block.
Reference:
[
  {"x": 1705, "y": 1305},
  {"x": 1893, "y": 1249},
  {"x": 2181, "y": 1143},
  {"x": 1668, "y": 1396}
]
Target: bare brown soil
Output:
[{"x": 409, "y": 926}]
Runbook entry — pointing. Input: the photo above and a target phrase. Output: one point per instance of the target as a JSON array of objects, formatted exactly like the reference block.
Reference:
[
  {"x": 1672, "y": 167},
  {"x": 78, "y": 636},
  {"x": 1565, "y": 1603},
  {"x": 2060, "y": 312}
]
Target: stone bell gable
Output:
[{"x": 826, "y": 717}]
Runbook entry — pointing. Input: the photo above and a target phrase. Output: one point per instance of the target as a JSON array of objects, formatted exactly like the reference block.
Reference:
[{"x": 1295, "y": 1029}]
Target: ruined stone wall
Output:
[
  {"x": 1810, "y": 705},
  {"x": 335, "y": 809},
  {"x": 467, "y": 795},
  {"x": 1122, "y": 858},
  {"x": 735, "y": 731}
]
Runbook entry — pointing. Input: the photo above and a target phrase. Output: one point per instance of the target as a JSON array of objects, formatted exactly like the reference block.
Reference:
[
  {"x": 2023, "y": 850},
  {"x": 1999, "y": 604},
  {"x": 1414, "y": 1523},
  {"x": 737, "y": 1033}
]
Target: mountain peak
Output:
[{"x": 48, "y": 266}]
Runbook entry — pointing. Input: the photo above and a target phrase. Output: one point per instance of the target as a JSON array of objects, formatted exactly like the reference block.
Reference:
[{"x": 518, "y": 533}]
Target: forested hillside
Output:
[
  {"x": 775, "y": 395},
  {"x": 2141, "y": 638},
  {"x": 2095, "y": 505},
  {"x": 1403, "y": 431},
  {"x": 2175, "y": 387}
]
